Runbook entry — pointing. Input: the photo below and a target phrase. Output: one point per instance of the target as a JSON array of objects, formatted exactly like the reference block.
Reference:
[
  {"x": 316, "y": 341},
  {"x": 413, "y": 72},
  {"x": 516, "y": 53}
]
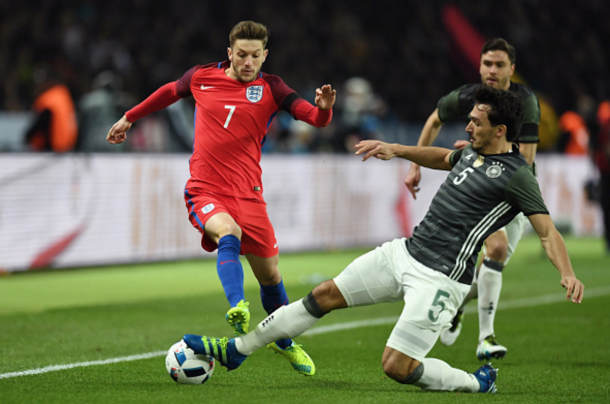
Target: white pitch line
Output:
[
  {"x": 514, "y": 304},
  {"x": 83, "y": 364}
]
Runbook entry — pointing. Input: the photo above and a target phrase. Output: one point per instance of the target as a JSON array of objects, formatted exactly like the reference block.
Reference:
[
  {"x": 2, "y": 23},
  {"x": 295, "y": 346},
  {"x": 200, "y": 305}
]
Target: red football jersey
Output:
[{"x": 231, "y": 122}]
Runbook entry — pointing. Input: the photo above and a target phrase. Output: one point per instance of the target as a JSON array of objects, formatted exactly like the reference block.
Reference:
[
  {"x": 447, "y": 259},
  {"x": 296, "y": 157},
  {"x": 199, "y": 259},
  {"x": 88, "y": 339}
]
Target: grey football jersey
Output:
[{"x": 481, "y": 194}]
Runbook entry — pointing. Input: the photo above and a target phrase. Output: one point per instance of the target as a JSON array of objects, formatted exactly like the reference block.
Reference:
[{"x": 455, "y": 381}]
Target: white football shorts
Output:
[{"x": 390, "y": 274}]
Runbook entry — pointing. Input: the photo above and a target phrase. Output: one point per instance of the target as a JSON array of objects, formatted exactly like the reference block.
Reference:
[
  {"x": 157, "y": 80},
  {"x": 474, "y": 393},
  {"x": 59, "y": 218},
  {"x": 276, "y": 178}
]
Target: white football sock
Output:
[
  {"x": 438, "y": 375},
  {"x": 286, "y": 322},
  {"x": 490, "y": 285}
]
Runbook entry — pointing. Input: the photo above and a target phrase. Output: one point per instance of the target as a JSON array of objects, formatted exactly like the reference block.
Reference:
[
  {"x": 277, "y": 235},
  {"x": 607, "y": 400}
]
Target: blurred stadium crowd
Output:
[{"x": 405, "y": 54}]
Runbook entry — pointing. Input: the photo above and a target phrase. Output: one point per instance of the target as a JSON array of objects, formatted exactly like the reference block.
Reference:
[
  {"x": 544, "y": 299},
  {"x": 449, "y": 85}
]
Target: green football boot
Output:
[
  {"x": 238, "y": 318},
  {"x": 298, "y": 358}
]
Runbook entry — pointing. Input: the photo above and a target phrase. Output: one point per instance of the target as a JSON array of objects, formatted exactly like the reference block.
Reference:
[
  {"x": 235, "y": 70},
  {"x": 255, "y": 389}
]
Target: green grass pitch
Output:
[{"x": 557, "y": 352}]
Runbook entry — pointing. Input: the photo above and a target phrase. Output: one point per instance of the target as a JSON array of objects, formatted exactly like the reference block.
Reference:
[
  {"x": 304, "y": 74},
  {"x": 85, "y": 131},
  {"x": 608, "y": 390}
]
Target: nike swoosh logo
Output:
[
  {"x": 277, "y": 306},
  {"x": 224, "y": 262},
  {"x": 205, "y": 88}
]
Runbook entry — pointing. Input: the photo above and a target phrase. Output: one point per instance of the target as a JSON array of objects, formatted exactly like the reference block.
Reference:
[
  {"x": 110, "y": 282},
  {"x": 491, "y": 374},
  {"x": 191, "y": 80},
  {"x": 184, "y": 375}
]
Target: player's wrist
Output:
[
  {"x": 398, "y": 150},
  {"x": 129, "y": 117}
]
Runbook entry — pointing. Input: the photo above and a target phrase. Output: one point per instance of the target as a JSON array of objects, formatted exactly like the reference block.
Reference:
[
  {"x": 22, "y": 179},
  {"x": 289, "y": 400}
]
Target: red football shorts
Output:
[{"x": 258, "y": 236}]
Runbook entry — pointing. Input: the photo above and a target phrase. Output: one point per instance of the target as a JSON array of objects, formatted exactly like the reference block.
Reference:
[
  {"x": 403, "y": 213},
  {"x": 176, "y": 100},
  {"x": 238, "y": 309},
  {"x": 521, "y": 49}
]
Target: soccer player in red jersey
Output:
[{"x": 235, "y": 104}]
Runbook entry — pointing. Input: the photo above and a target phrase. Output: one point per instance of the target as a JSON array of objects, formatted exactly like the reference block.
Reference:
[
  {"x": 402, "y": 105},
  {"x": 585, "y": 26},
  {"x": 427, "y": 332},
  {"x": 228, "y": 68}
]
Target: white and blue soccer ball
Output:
[{"x": 187, "y": 367}]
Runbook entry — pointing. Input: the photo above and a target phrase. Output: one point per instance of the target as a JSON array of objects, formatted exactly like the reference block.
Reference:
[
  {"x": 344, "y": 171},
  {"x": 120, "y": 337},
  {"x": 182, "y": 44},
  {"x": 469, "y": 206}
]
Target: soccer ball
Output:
[{"x": 187, "y": 367}]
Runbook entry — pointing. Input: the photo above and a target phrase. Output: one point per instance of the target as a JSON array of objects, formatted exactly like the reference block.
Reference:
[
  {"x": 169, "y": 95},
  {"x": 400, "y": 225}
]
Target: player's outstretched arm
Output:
[
  {"x": 557, "y": 252},
  {"x": 431, "y": 157},
  {"x": 118, "y": 132},
  {"x": 426, "y": 138},
  {"x": 325, "y": 97},
  {"x": 163, "y": 97}
]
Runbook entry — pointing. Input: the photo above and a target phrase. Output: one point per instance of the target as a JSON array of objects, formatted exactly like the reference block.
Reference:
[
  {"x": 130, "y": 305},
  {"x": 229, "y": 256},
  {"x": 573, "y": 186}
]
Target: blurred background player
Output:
[
  {"x": 431, "y": 271},
  {"x": 360, "y": 115},
  {"x": 497, "y": 67},
  {"x": 99, "y": 109},
  {"x": 55, "y": 126},
  {"x": 601, "y": 157},
  {"x": 235, "y": 103}
]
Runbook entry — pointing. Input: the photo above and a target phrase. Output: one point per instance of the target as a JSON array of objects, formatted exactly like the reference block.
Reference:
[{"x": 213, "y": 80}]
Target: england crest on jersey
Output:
[{"x": 254, "y": 93}]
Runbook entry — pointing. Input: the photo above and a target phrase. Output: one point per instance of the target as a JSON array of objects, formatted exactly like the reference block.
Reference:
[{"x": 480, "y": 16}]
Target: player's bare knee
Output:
[
  {"x": 496, "y": 249},
  {"x": 399, "y": 368},
  {"x": 328, "y": 296},
  {"x": 232, "y": 229},
  {"x": 392, "y": 369},
  {"x": 270, "y": 276}
]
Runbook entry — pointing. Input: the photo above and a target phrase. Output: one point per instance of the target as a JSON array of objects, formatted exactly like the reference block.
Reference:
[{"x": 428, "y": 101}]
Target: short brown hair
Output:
[
  {"x": 249, "y": 30},
  {"x": 502, "y": 45},
  {"x": 506, "y": 108}
]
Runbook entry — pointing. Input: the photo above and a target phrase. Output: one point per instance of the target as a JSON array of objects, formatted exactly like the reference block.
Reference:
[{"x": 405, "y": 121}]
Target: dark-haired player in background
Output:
[
  {"x": 235, "y": 104},
  {"x": 497, "y": 67}
]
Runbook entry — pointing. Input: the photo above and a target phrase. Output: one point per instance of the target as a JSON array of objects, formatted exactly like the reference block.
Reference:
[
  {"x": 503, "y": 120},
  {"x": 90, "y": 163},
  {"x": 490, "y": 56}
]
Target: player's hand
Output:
[
  {"x": 325, "y": 97},
  {"x": 460, "y": 144},
  {"x": 574, "y": 287},
  {"x": 413, "y": 178},
  {"x": 375, "y": 148},
  {"x": 117, "y": 133}
]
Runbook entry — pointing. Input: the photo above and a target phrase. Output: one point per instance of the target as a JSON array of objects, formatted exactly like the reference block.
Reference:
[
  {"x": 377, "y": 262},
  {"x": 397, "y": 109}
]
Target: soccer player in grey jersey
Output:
[
  {"x": 496, "y": 69},
  {"x": 489, "y": 183},
  {"x": 492, "y": 190}
]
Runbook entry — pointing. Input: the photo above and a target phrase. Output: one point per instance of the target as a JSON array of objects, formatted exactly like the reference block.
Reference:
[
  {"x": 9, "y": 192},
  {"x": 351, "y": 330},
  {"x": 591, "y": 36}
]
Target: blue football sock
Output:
[
  {"x": 229, "y": 268},
  {"x": 273, "y": 297}
]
